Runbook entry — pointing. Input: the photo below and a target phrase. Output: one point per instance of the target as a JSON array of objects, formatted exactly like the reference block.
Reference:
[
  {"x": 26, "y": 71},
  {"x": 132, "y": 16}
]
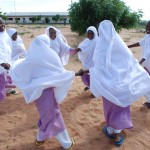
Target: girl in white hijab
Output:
[
  {"x": 118, "y": 78},
  {"x": 18, "y": 48},
  {"x": 44, "y": 81},
  {"x": 18, "y": 51},
  {"x": 85, "y": 54},
  {"x": 5, "y": 60},
  {"x": 145, "y": 61},
  {"x": 59, "y": 44}
]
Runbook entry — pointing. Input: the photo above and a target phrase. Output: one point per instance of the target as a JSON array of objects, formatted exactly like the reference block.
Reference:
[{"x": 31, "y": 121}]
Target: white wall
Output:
[{"x": 29, "y": 21}]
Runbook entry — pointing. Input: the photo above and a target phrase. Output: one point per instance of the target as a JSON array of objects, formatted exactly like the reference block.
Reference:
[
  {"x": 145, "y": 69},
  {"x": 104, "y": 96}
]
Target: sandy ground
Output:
[{"x": 83, "y": 116}]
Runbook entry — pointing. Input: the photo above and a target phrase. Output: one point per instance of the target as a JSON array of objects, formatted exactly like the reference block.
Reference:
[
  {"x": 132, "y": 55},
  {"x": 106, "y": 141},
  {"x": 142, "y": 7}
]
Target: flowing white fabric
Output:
[
  {"x": 40, "y": 69},
  {"x": 18, "y": 48},
  {"x": 5, "y": 49},
  {"x": 116, "y": 74},
  {"x": 145, "y": 44},
  {"x": 87, "y": 50},
  {"x": 59, "y": 45}
]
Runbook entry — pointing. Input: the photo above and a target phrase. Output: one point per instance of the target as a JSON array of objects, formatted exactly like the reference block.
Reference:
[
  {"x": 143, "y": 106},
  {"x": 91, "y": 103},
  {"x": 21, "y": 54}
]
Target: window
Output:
[
  {"x": 10, "y": 18},
  {"x": 17, "y": 18}
]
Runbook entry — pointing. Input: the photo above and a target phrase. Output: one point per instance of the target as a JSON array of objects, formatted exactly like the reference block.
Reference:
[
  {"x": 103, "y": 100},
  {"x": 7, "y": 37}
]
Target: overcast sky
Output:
[{"x": 61, "y": 6}]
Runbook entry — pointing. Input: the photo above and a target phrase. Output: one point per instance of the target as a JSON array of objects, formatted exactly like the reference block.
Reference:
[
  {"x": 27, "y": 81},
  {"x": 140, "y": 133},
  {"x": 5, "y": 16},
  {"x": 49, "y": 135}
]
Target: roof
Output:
[{"x": 31, "y": 14}]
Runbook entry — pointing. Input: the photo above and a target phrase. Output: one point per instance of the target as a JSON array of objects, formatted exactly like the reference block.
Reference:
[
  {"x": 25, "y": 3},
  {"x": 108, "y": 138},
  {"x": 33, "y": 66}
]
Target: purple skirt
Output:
[
  {"x": 117, "y": 117},
  {"x": 2, "y": 87},
  {"x": 86, "y": 79},
  {"x": 5, "y": 82},
  {"x": 51, "y": 122}
]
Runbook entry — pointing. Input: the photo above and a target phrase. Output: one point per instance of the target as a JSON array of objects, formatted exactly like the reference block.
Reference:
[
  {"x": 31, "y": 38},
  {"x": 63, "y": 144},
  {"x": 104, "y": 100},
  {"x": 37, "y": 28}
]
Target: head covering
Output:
[
  {"x": 11, "y": 31},
  {"x": 40, "y": 69},
  {"x": 58, "y": 33},
  {"x": 59, "y": 45},
  {"x": 5, "y": 49},
  {"x": 87, "y": 49},
  {"x": 18, "y": 48},
  {"x": 116, "y": 74}
]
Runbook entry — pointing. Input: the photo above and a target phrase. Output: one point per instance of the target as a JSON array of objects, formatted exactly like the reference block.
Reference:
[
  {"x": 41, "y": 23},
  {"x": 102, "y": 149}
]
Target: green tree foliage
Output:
[
  {"x": 142, "y": 23},
  {"x": 38, "y": 18},
  {"x": 56, "y": 18},
  {"x": 35, "y": 19},
  {"x": 3, "y": 16},
  {"x": 17, "y": 20},
  {"x": 91, "y": 12},
  {"x": 47, "y": 20}
]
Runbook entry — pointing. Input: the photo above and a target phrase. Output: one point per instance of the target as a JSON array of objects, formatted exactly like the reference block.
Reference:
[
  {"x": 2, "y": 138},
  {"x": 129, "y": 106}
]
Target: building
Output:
[{"x": 26, "y": 17}]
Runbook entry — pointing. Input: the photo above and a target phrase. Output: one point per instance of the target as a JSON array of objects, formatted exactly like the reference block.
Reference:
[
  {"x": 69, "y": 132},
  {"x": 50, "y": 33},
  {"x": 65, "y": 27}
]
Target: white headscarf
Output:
[
  {"x": 5, "y": 49},
  {"x": 59, "y": 45},
  {"x": 18, "y": 48},
  {"x": 116, "y": 74},
  {"x": 40, "y": 69},
  {"x": 87, "y": 49}
]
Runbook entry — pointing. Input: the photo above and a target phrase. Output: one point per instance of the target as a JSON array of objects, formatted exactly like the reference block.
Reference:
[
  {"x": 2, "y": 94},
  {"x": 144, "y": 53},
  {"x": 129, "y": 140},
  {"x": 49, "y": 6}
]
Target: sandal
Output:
[
  {"x": 39, "y": 143},
  {"x": 86, "y": 88},
  {"x": 79, "y": 73},
  {"x": 70, "y": 148},
  {"x": 107, "y": 134},
  {"x": 92, "y": 96},
  {"x": 119, "y": 143},
  {"x": 14, "y": 92},
  {"x": 147, "y": 105}
]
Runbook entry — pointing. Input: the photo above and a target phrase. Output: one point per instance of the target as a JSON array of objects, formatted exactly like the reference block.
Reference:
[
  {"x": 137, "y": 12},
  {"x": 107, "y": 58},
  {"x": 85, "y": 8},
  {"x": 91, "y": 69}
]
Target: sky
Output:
[
  {"x": 135, "y": 5},
  {"x": 62, "y": 6}
]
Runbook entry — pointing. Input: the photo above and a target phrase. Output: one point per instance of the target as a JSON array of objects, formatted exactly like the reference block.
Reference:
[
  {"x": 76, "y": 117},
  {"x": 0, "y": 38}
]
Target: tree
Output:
[
  {"x": 56, "y": 18},
  {"x": 63, "y": 19},
  {"x": 33, "y": 19},
  {"x": 3, "y": 16},
  {"x": 47, "y": 20},
  {"x": 17, "y": 20},
  {"x": 38, "y": 18},
  {"x": 91, "y": 12}
]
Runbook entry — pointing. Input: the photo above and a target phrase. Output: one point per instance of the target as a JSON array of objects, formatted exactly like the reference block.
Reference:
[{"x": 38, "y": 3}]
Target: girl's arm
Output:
[
  {"x": 81, "y": 72},
  {"x": 86, "y": 71},
  {"x": 134, "y": 45},
  {"x": 77, "y": 49},
  {"x": 141, "y": 61},
  {"x": 5, "y": 66}
]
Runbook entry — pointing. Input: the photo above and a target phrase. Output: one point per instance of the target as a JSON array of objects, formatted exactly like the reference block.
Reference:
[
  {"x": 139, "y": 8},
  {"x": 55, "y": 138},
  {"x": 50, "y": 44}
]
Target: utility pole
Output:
[{"x": 15, "y": 6}]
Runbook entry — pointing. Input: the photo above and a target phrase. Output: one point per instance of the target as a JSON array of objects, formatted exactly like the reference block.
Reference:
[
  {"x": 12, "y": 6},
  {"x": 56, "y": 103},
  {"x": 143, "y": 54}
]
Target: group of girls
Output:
[{"x": 109, "y": 70}]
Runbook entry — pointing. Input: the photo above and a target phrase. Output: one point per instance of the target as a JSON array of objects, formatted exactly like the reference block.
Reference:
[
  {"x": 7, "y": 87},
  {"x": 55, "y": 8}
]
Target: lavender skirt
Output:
[
  {"x": 5, "y": 82},
  {"x": 2, "y": 87},
  {"x": 117, "y": 117},
  {"x": 51, "y": 122},
  {"x": 86, "y": 79}
]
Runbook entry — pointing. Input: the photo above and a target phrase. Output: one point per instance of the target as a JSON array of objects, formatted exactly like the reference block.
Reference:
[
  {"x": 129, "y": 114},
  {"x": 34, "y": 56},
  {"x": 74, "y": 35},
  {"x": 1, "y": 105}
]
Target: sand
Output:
[{"x": 83, "y": 115}]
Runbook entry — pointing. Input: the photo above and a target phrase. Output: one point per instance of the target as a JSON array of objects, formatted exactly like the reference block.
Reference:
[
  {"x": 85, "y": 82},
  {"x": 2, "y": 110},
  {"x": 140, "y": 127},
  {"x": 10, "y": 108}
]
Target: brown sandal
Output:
[
  {"x": 39, "y": 143},
  {"x": 70, "y": 148}
]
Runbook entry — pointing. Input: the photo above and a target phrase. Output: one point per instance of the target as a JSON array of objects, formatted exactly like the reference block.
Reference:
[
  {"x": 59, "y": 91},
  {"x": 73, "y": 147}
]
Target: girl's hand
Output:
[{"x": 5, "y": 66}]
